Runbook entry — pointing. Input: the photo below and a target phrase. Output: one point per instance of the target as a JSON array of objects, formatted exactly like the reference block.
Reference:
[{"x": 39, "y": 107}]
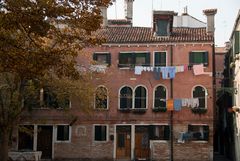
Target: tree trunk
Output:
[{"x": 4, "y": 145}]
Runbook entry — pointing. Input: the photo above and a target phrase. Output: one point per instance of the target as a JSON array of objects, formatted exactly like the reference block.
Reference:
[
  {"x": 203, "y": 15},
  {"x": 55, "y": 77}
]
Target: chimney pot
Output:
[
  {"x": 210, "y": 13},
  {"x": 104, "y": 15}
]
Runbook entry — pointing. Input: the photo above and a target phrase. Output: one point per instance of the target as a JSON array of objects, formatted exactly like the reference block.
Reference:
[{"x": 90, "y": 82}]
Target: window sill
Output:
[
  {"x": 101, "y": 109},
  {"x": 159, "y": 109},
  {"x": 200, "y": 141},
  {"x": 159, "y": 141},
  {"x": 139, "y": 110},
  {"x": 65, "y": 141},
  {"x": 125, "y": 109},
  {"x": 199, "y": 110}
]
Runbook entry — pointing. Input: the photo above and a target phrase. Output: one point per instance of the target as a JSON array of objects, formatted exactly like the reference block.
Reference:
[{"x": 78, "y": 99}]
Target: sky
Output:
[{"x": 227, "y": 11}]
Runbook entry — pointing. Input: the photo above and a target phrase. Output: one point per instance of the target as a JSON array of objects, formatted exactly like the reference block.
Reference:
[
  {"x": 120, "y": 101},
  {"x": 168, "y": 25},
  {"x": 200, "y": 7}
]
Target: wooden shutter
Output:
[
  {"x": 109, "y": 59},
  {"x": 157, "y": 59},
  {"x": 163, "y": 59},
  {"x": 191, "y": 58},
  {"x": 237, "y": 42},
  {"x": 147, "y": 63},
  {"x": 166, "y": 132},
  {"x": 205, "y": 58},
  {"x": 95, "y": 56}
]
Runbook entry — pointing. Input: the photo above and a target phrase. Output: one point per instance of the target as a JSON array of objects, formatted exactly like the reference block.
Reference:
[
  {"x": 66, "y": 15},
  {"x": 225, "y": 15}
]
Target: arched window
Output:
[
  {"x": 200, "y": 93},
  {"x": 101, "y": 98},
  {"x": 126, "y": 98},
  {"x": 140, "y": 97},
  {"x": 160, "y": 97}
]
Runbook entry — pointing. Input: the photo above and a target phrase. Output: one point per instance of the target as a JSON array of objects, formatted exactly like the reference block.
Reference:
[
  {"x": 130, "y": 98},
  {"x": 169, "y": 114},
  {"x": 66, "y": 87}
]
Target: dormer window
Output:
[
  {"x": 162, "y": 28},
  {"x": 163, "y": 22}
]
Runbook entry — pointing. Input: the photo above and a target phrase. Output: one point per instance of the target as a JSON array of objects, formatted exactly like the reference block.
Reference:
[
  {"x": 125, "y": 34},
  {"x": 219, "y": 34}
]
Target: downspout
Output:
[{"x": 171, "y": 112}]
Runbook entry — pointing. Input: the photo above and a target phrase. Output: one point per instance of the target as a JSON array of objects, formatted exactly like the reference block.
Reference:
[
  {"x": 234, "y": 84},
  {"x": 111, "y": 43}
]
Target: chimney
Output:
[
  {"x": 104, "y": 15},
  {"x": 210, "y": 13},
  {"x": 128, "y": 9}
]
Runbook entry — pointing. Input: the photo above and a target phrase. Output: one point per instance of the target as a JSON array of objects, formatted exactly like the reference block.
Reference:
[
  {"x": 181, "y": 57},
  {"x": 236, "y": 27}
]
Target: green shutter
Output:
[
  {"x": 191, "y": 58},
  {"x": 166, "y": 132},
  {"x": 95, "y": 56},
  {"x": 157, "y": 59},
  {"x": 109, "y": 59},
  {"x": 237, "y": 42},
  {"x": 133, "y": 59},
  {"x": 147, "y": 63},
  {"x": 163, "y": 59},
  {"x": 162, "y": 27},
  {"x": 205, "y": 58}
]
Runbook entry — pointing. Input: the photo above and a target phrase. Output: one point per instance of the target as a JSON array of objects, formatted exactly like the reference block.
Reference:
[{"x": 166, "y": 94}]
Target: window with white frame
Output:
[
  {"x": 200, "y": 93},
  {"x": 126, "y": 98},
  {"x": 160, "y": 96},
  {"x": 100, "y": 132},
  {"x": 198, "y": 132},
  {"x": 160, "y": 59},
  {"x": 198, "y": 57},
  {"x": 159, "y": 132},
  {"x": 63, "y": 133},
  {"x": 131, "y": 59},
  {"x": 101, "y": 98},
  {"x": 102, "y": 58},
  {"x": 140, "y": 100}
]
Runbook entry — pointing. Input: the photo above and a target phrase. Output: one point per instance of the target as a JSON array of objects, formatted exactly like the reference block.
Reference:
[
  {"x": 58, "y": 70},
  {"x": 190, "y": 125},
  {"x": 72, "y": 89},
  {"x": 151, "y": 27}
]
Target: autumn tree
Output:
[{"x": 40, "y": 39}]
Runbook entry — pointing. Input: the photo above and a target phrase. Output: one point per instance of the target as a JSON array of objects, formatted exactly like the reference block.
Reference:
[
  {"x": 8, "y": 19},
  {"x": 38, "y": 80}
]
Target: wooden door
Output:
[
  {"x": 44, "y": 141},
  {"x": 123, "y": 150},
  {"x": 142, "y": 150}
]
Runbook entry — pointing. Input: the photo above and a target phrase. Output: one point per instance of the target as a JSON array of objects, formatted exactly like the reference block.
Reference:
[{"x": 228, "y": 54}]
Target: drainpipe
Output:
[{"x": 171, "y": 112}]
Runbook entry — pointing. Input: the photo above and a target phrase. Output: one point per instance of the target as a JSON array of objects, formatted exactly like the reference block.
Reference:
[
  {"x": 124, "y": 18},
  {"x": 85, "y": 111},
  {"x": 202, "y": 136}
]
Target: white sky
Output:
[{"x": 142, "y": 13}]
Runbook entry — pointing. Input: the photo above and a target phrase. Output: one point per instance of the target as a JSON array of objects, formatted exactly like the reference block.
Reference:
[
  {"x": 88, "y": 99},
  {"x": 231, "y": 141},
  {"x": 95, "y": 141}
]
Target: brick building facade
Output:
[{"x": 134, "y": 119}]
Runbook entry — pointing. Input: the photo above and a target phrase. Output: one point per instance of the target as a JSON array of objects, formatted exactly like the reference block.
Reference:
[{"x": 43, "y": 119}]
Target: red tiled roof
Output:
[{"x": 146, "y": 35}]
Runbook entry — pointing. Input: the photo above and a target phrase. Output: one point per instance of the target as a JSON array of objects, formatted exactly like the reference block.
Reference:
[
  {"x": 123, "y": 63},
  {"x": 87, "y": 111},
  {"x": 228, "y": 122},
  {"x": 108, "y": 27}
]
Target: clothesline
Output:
[{"x": 168, "y": 72}]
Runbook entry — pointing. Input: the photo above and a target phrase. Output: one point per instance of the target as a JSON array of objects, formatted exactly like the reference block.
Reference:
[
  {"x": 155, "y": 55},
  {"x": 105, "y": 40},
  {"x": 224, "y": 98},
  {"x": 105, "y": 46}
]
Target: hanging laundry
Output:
[
  {"x": 185, "y": 67},
  {"x": 177, "y": 104},
  {"x": 156, "y": 73},
  {"x": 171, "y": 71},
  {"x": 148, "y": 69},
  {"x": 144, "y": 69},
  {"x": 164, "y": 71},
  {"x": 195, "y": 102},
  {"x": 170, "y": 105},
  {"x": 151, "y": 69},
  {"x": 190, "y": 102},
  {"x": 138, "y": 70},
  {"x": 179, "y": 68},
  {"x": 198, "y": 69}
]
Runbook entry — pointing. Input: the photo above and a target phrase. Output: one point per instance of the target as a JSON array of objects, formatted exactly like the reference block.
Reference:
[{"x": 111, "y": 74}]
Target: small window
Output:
[
  {"x": 25, "y": 137},
  {"x": 236, "y": 42},
  {"x": 102, "y": 58},
  {"x": 134, "y": 59},
  {"x": 198, "y": 58},
  {"x": 162, "y": 27},
  {"x": 101, "y": 98},
  {"x": 160, "y": 59},
  {"x": 142, "y": 59},
  {"x": 52, "y": 100},
  {"x": 140, "y": 97},
  {"x": 63, "y": 133},
  {"x": 126, "y": 98},
  {"x": 198, "y": 132},
  {"x": 160, "y": 97},
  {"x": 100, "y": 133},
  {"x": 159, "y": 132},
  {"x": 200, "y": 93}
]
